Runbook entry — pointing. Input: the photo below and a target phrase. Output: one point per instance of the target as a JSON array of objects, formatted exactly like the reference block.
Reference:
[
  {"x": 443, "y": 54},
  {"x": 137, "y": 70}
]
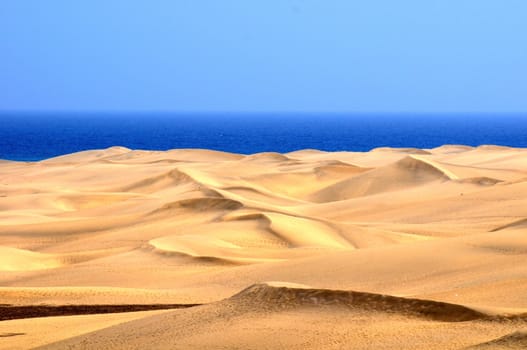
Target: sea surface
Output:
[{"x": 38, "y": 136}]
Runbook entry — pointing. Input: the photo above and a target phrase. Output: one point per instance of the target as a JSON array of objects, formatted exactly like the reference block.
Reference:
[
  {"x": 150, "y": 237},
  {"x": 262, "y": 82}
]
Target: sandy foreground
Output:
[{"x": 389, "y": 249}]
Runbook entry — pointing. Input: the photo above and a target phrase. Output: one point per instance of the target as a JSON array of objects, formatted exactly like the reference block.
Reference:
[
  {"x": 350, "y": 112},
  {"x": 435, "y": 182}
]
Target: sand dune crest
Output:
[
  {"x": 285, "y": 295},
  {"x": 403, "y": 174}
]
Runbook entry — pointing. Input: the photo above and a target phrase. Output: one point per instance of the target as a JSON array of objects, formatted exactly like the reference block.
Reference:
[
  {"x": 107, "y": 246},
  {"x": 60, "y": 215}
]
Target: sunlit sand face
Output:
[{"x": 123, "y": 227}]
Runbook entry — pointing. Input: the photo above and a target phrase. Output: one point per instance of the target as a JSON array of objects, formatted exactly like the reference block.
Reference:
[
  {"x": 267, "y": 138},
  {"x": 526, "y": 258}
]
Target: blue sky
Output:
[{"x": 260, "y": 56}]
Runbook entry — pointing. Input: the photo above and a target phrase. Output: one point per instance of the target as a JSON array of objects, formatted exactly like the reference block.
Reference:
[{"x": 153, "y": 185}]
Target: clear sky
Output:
[{"x": 264, "y": 55}]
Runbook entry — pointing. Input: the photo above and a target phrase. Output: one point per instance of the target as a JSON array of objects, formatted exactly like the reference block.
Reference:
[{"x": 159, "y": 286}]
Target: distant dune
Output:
[{"x": 387, "y": 249}]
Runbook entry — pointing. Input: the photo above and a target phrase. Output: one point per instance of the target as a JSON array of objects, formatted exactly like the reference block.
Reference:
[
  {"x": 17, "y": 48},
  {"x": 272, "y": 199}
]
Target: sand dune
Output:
[
  {"x": 159, "y": 182},
  {"x": 286, "y": 295},
  {"x": 516, "y": 340},
  {"x": 401, "y": 150},
  {"x": 408, "y": 172},
  {"x": 302, "y": 317},
  {"x": 516, "y": 224},
  {"x": 400, "y": 248},
  {"x": 23, "y": 260}
]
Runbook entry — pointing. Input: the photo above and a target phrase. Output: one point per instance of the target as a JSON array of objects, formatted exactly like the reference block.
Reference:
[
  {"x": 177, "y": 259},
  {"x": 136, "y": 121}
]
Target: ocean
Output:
[{"x": 37, "y": 136}]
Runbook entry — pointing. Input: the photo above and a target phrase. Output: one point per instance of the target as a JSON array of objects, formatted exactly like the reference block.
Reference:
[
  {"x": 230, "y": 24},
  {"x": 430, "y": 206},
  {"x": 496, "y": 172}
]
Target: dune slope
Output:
[{"x": 274, "y": 315}]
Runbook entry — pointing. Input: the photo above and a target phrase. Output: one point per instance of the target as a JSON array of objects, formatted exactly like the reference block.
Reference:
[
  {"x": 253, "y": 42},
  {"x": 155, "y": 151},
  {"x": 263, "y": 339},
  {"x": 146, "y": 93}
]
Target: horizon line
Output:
[{"x": 241, "y": 112}]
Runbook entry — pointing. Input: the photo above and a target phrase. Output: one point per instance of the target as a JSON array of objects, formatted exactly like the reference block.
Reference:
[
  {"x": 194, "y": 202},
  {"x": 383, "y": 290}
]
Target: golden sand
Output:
[{"x": 388, "y": 249}]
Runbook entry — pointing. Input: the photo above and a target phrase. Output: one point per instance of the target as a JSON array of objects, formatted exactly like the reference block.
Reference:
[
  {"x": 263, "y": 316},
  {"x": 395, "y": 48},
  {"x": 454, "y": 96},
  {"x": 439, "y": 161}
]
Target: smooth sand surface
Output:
[{"x": 388, "y": 249}]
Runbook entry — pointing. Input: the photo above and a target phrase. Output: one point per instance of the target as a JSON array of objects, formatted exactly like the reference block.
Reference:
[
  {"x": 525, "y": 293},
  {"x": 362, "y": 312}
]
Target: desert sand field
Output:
[{"x": 387, "y": 249}]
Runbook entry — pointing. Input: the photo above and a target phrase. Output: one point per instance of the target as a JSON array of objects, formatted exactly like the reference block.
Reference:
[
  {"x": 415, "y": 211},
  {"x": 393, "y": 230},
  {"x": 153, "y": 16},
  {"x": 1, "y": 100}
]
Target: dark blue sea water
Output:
[{"x": 40, "y": 136}]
